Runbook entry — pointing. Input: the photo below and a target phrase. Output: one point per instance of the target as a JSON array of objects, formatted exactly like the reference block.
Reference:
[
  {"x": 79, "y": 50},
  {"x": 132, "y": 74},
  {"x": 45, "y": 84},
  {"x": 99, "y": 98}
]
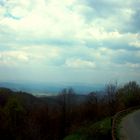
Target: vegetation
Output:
[
  {"x": 67, "y": 116},
  {"x": 98, "y": 131}
]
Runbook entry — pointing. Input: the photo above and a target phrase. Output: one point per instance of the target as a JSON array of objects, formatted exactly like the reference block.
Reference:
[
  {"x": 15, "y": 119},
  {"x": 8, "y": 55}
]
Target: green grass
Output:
[
  {"x": 100, "y": 130},
  {"x": 75, "y": 137}
]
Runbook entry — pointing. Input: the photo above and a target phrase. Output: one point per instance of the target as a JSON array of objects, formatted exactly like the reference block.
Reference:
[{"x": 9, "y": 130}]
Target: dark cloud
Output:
[
  {"x": 135, "y": 22},
  {"x": 117, "y": 45},
  {"x": 112, "y": 44},
  {"x": 133, "y": 25}
]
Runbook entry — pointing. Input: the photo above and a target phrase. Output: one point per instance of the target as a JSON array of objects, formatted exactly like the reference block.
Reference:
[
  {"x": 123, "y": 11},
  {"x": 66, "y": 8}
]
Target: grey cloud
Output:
[
  {"x": 103, "y": 9},
  {"x": 2, "y": 3},
  {"x": 116, "y": 45},
  {"x": 10, "y": 38},
  {"x": 54, "y": 42},
  {"x": 122, "y": 59},
  {"x": 111, "y": 44},
  {"x": 135, "y": 23}
]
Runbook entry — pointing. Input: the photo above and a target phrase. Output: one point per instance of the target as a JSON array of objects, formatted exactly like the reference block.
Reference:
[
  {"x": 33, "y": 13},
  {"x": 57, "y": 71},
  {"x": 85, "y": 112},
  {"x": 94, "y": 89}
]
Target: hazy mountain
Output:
[{"x": 50, "y": 88}]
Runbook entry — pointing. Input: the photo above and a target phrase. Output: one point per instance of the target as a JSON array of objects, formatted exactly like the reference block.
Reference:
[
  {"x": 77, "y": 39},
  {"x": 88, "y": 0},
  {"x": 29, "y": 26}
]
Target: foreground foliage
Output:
[{"x": 97, "y": 131}]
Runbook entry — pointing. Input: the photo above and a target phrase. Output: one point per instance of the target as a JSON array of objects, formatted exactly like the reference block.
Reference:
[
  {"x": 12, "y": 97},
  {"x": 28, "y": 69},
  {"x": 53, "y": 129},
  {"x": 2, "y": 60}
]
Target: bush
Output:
[{"x": 99, "y": 131}]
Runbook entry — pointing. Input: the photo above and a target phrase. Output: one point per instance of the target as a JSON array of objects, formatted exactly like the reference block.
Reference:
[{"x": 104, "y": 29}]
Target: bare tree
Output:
[{"x": 111, "y": 90}]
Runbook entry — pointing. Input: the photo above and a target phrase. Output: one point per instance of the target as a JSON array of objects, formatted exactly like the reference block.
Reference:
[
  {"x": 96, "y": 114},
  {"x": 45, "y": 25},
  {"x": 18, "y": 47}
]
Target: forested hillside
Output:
[{"x": 66, "y": 116}]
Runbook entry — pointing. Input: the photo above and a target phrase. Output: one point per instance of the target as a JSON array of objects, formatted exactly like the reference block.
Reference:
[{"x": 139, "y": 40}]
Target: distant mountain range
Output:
[{"x": 50, "y": 88}]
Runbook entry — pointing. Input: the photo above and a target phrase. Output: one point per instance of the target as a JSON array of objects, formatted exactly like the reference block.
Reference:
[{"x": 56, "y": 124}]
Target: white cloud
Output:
[
  {"x": 50, "y": 19},
  {"x": 135, "y": 44},
  {"x": 59, "y": 20},
  {"x": 11, "y": 58},
  {"x": 99, "y": 34},
  {"x": 133, "y": 65},
  {"x": 2, "y": 12},
  {"x": 78, "y": 63},
  {"x": 17, "y": 8},
  {"x": 33, "y": 55},
  {"x": 43, "y": 52},
  {"x": 128, "y": 66},
  {"x": 64, "y": 20}
]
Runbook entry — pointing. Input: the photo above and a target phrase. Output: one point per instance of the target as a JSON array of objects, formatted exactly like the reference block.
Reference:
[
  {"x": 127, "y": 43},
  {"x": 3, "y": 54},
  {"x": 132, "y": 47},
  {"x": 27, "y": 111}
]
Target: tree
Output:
[
  {"x": 66, "y": 101},
  {"x": 129, "y": 94},
  {"x": 111, "y": 90},
  {"x": 14, "y": 115},
  {"x": 91, "y": 106}
]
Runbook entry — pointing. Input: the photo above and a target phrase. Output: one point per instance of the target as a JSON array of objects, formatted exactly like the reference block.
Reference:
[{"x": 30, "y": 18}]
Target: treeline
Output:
[{"x": 23, "y": 116}]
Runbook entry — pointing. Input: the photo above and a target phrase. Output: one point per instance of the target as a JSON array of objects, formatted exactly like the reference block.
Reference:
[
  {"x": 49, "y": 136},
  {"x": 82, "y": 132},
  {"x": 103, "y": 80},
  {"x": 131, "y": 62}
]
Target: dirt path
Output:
[{"x": 130, "y": 127}]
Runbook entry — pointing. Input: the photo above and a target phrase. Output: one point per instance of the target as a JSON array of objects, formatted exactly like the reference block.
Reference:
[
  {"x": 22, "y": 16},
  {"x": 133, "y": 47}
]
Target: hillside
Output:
[{"x": 66, "y": 116}]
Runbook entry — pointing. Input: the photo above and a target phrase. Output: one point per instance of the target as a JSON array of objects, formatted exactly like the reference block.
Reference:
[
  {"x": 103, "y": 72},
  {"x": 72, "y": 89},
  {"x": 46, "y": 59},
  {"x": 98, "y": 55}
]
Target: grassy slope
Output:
[{"x": 100, "y": 130}]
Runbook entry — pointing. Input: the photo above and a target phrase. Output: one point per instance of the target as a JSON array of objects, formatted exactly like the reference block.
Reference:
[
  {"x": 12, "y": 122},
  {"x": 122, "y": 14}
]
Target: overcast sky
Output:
[{"x": 76, "y": 41}]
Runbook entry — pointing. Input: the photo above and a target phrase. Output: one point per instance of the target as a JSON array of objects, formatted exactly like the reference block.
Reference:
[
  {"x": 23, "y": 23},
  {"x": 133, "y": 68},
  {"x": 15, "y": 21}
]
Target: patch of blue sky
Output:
[{"x": 2, "y": 2}]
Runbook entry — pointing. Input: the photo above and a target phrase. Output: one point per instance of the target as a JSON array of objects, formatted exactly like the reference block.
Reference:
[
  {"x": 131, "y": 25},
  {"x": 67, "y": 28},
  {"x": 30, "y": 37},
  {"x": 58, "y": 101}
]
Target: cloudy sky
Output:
[{"x": 76, "y": 41}]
